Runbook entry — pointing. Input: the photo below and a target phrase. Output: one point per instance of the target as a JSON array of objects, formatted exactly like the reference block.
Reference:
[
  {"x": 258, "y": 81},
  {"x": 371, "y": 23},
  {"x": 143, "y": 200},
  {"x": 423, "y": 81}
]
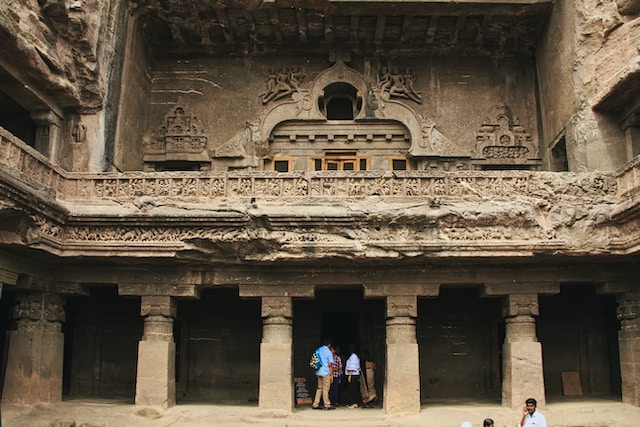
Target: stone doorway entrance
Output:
[
  {"x": 578, "y": 330},
  {"x": 344, "y": 316},
  {"x": 460, "y": 339}
]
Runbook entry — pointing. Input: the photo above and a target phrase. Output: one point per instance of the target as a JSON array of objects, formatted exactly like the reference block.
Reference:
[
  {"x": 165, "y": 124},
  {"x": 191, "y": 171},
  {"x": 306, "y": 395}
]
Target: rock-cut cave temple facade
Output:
[{"x": 194, "y": 193}]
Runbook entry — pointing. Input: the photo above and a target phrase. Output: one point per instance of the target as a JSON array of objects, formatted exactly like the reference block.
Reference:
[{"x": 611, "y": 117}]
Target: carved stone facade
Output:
[{"x": 193, "y": 193}]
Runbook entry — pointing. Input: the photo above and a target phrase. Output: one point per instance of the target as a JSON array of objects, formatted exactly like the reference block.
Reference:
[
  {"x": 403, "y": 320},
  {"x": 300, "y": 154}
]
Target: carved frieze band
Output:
[{"x": 356, "y": 184}]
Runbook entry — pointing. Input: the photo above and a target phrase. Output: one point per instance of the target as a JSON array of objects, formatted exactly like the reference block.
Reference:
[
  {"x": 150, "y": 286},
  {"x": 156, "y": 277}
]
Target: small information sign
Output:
[{"x": 302, "y": 393}]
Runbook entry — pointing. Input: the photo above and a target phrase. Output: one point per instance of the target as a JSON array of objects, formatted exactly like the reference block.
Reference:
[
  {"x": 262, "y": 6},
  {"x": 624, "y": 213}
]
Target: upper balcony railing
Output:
[{"x": 25, "y": 164}]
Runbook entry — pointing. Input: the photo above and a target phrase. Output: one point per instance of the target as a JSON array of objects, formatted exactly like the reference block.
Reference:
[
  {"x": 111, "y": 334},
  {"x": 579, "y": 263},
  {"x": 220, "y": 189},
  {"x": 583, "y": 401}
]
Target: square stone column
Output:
[
  {"x": 276, "y": 349},
  {"x": 523, "y": 375},
  {"x": 402, "y": 379},
  {"x": 156, "y": 379},
  {"x": 48, "y": 132},
  {"x": 36, "y": 349},
  {"x": 629, "y": 346}
]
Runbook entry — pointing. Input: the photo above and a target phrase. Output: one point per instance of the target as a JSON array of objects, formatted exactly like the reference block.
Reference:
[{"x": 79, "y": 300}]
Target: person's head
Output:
[
  {"x": 327, "y": 342},
  {"x": 352, "y": 348},
  {"x": 531, "y": 405},
  {"x": 488, "y": 422}
]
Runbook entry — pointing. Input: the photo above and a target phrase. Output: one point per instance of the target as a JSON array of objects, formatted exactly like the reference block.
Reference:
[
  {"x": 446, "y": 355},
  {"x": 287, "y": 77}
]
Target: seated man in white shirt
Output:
[{"x": 531, "y": 417}]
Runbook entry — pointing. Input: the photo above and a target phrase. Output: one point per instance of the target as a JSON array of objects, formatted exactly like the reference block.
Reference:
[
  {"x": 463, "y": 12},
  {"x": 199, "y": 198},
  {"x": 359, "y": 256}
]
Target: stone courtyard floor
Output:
[{"x": 92, "y": 413}]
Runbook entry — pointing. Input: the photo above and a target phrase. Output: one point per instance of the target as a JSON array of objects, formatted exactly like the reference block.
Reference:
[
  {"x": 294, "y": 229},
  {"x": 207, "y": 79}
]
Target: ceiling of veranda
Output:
[{"x": 259, "y": 27}]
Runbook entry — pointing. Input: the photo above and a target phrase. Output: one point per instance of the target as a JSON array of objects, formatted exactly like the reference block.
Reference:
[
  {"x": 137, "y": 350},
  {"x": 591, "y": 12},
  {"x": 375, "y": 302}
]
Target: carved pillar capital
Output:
[
  {"x": 39, "y": 310},
  {"x": 519, "y": 311},
  {"x": 157, "y": 305},
  {"x": 628, "y": 311},
  {"x": 159, "y": 312},
  {"x": 277, "y": 314},
  {"x": 520, "y": 305},
  {"x": 402, "y": 311}
]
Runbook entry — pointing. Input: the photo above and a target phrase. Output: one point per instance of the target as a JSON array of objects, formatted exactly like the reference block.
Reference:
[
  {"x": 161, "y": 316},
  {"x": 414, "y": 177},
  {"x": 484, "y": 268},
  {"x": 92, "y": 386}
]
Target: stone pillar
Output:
[
  {"x": 522, "y": 353},
  {"x": 156, "y": 379},
  {"x": 402, "y": 379},
  {"x": 47, "y": 132},
  {"x": 36, "y": 348},
  {"x": 276, "y": 349},
  {"x": 629, "y": 346}
]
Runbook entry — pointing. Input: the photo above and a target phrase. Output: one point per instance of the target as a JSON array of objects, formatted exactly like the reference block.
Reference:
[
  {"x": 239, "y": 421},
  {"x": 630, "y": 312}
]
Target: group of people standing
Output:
[{"x": 356, "y": 373}]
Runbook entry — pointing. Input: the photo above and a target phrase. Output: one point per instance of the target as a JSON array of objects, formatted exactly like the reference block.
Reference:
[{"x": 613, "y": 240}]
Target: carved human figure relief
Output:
[
  {"x": 282, "y": 83},
  {"x": 399, "y": 84}
]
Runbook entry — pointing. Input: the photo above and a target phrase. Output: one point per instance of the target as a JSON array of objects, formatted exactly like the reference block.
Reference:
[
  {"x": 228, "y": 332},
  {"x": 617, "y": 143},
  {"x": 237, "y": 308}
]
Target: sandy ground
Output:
[{"x": 578, "y": 413}]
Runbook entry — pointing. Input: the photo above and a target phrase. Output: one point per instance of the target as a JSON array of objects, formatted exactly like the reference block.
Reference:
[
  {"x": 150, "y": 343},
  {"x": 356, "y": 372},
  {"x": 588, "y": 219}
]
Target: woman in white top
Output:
[{"x": 352, "y": 372}]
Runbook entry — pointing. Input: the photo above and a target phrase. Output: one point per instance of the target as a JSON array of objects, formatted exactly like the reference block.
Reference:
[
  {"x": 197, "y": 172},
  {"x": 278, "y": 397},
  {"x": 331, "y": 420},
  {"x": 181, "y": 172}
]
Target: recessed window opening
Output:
[
  {"x": 340, "y": 102},
  {"x": 281, "y": 165},
  {"x": 399, "y": 164},
  {"x": 340, "y": 109},
  {"x": 341, "y": 161}
]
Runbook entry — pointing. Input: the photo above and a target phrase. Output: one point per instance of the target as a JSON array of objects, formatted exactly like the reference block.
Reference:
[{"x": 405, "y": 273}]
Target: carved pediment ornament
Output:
[
  {"x": 180, "y": 137},
  {"x": 501, "y": 139}
]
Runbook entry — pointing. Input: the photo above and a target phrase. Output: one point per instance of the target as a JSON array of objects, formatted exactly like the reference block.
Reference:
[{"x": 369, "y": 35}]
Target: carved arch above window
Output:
[{"x": 368, "y": 103}]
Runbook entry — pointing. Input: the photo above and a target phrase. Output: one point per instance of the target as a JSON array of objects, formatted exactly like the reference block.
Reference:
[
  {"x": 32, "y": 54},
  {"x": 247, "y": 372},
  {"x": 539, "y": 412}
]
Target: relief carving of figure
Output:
[
  {"x": 399, "y": 84},
  {"x": 282, "y": 83}
]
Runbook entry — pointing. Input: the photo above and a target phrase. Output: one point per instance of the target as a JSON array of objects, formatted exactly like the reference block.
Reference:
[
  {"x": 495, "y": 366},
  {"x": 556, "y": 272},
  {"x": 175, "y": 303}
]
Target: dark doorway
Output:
[
  {"x": 578, "y": 330},
  {"x": 460, "y": 339},
  {"x": 347, "y": 318},
  {"x": 218, "y": 348},
  {"x": 102, "y": 332},
  {"x": 343, "y": 328}
]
